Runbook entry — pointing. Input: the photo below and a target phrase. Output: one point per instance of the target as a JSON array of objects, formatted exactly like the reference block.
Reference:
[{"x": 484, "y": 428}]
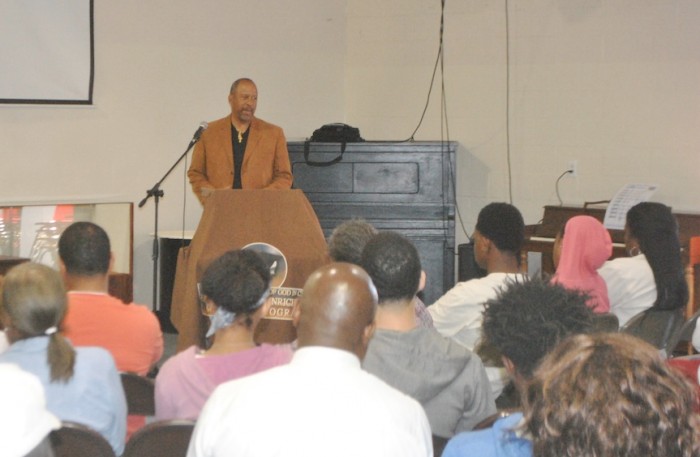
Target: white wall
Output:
[{"x": 613, "y": 84}]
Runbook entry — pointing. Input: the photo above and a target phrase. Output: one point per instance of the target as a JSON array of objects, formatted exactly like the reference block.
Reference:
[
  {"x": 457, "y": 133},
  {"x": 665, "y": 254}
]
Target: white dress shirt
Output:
[{"x": 321, "y": 404}]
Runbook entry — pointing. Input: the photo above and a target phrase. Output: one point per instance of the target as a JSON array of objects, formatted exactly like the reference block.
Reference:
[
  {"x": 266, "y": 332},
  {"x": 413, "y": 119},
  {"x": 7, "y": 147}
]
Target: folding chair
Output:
[
  {"x": 683, "y": 335},
  {"x": 78, "y": 440},
  {"x": 656, "y": 327},
  {"x": 140, "y": 394},
  {"x": 170, "y": 437}
]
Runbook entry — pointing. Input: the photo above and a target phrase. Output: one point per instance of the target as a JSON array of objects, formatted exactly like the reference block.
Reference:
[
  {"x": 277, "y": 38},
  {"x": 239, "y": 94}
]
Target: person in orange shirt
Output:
[{"x": 130, "y": 332}]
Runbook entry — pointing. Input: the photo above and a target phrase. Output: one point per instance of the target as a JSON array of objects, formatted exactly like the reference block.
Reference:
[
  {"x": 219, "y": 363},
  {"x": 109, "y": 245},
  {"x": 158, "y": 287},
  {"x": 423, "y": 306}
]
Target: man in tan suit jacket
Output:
[{"x": 240, "y": 151}]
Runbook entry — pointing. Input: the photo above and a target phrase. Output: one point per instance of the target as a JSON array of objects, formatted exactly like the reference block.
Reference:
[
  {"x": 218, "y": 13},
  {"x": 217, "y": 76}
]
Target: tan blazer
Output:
[{"x": 265, "y": 163}]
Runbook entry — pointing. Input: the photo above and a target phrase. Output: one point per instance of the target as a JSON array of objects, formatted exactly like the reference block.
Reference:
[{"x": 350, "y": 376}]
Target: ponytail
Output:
[{"x": 60, "y": 357}]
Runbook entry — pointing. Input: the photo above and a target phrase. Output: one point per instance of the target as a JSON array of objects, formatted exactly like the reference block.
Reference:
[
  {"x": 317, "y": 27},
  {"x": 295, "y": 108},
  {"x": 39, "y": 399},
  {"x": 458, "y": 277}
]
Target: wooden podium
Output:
[{"x": 233, "y": 219}]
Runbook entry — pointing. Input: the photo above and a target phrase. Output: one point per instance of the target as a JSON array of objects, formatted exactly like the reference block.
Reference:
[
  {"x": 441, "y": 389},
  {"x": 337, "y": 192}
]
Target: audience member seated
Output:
[
  {"x": 498, "y": 238},
  {"x": 234, "y": 290},
  {"x": 322, "y": 403},
  {"x": 653, "y": 275},
  {"x": 82, "y": 385},
  {"x": 610, "y": 394},
  {"x": 346, "y": 244},
  {"x": 130, "y": 332},
  {"x": 446, "y": 378},
  {"x": 523, "y": 323},
  {"x": 25, "y": 423},
  {"x": 581, "y": 248}
]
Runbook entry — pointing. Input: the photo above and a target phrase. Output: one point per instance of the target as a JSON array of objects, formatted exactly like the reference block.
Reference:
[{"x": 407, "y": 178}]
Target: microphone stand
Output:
[{"x": 157, "y": 193}]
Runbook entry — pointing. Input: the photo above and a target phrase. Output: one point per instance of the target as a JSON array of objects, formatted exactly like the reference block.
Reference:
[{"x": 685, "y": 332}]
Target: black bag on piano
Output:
[{"x": 332, "y": 133}]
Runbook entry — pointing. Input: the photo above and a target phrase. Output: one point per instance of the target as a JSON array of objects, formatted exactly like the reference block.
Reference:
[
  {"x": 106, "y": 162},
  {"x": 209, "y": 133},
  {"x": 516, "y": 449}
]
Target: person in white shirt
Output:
[
  {"x": 322, "y": 403},
  {"x": 25, "y": 423},
  {"x": 498, "y": 238},
  {"x": 653, "y": 275}
]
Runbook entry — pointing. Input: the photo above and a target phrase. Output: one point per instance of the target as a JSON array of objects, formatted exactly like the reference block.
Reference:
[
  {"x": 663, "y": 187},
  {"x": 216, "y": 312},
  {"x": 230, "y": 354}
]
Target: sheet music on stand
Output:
[{"x": 624, "y": 199}]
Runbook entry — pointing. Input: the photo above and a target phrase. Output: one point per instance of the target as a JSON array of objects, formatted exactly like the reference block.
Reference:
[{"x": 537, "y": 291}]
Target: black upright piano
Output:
[{"x": 406, "y": 187}]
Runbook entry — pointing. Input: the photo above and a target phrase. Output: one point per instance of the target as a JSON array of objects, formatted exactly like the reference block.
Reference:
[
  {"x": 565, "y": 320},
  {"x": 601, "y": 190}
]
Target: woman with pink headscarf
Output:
[{"x": 582, "y": 248}]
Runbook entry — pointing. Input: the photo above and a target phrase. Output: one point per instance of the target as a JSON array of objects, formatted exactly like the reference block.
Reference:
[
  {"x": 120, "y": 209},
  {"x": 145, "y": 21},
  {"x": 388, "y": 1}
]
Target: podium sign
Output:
[{"x": 282, "y": 302}]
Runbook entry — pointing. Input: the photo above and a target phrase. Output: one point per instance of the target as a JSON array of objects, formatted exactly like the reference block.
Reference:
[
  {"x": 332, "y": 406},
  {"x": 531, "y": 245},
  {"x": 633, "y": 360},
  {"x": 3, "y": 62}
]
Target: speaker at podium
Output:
[{"x": 233, "y": 219}]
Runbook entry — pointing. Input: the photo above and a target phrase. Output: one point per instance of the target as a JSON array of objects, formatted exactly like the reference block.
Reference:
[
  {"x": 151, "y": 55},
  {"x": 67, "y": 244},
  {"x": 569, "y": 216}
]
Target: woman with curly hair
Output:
[{"x": 610, "y": 395}]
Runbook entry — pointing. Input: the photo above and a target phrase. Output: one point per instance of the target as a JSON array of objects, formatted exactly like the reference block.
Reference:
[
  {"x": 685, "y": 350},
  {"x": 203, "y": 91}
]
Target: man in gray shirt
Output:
[{"x": 445, "y": 377}]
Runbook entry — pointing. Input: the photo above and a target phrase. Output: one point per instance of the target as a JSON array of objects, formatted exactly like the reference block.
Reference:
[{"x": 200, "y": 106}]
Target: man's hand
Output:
[{"x": 206, "y": 191}]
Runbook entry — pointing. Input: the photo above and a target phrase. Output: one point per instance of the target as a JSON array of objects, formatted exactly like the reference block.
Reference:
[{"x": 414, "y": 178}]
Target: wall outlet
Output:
[{"x": 573, "y": 168}]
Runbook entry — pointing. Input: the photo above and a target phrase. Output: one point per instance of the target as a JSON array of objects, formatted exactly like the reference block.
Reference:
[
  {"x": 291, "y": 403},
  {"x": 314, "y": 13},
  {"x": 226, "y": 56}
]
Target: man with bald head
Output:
[{"x": 322, "y": 403}]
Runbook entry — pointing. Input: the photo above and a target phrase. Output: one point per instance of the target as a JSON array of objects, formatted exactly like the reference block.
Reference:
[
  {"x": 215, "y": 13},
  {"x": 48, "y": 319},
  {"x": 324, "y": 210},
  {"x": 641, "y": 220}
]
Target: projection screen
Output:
[{"x": 46, "y": 51}]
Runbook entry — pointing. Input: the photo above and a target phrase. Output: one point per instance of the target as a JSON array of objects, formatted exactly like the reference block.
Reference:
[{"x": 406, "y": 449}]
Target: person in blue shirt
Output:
[
  {"x": 82, "y": 385},
  {"x": 523, "y": 323}
]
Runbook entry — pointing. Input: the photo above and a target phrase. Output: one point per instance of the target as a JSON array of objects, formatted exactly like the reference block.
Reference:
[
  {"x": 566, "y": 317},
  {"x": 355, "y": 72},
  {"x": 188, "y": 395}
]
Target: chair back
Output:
[
  {"x": 140, "y": 394},
  {"x": 606, "y": 322},
  {"x": 656, "y": 327},
  {"x": 78, "y": 440},
  {"x": 683, "y": 335},
  {"x": 689, "y": 365},
  {"x": 169, "y": 437}
]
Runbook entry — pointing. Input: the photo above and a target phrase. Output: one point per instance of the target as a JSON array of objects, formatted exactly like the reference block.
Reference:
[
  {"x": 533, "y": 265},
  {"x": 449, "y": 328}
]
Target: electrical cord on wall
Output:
[
  {"x": 438, "y": 59},
  {"x": 444, "y": 128},
  {"x": 444, "y": 124},
  {"x": 184, "y": 200},
  {"x": 510, "y": 176},
  {"x": 556, "y": 185}
]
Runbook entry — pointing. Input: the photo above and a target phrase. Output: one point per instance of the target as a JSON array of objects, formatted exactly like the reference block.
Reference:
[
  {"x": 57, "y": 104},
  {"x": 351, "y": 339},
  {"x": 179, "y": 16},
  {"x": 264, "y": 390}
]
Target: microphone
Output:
[
  {"x": 155, "y": 190},
  {"x": 202, "y": 127}
]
